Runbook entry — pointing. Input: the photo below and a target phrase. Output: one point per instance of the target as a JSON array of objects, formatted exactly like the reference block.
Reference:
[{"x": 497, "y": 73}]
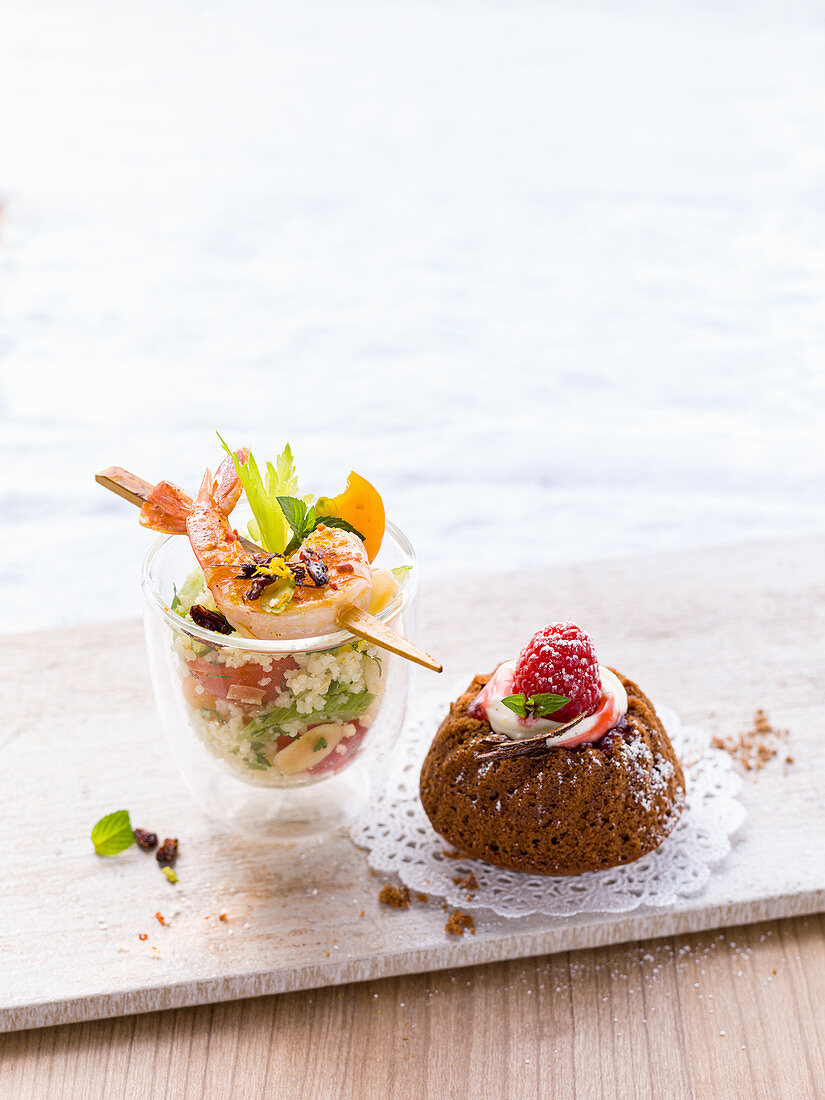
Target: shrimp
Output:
[
  {"x": 167, "y": 506},
  {"x": 331, "y": 568}
]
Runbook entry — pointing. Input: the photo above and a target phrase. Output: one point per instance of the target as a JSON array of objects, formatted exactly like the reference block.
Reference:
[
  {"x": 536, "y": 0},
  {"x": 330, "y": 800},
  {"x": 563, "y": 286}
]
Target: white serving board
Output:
[{"x": 716, "y": 634}]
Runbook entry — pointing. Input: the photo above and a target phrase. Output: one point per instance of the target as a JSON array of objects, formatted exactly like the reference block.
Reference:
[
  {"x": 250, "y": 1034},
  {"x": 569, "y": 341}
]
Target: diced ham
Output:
[{"x": 239, "y": 693}]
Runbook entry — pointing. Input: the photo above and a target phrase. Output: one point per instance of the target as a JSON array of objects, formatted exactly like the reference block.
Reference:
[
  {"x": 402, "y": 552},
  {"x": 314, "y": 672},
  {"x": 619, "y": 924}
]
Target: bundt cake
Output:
[{"x": 505, "y": 783}]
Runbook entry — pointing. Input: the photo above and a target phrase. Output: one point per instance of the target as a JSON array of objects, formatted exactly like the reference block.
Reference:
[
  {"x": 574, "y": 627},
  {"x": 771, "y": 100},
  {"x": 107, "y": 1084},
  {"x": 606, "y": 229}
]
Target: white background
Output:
[{"x": 551, "y": 275}]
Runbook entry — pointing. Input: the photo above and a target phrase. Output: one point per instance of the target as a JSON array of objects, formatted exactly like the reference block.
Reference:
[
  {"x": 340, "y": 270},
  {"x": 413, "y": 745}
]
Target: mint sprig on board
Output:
[
  {"x": 537, "y": 706},
  {"x": 113, "y": 834}
]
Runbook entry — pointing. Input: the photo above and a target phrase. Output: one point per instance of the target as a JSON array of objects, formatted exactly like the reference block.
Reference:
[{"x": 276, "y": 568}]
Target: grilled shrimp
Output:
[
  {"x": 331, "y": 568},
  {"x": 167, "y": 506}
]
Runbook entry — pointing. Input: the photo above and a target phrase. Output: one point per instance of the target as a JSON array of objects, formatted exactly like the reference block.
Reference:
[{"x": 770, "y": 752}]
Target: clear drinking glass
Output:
[{"x": 232, "y": 706}]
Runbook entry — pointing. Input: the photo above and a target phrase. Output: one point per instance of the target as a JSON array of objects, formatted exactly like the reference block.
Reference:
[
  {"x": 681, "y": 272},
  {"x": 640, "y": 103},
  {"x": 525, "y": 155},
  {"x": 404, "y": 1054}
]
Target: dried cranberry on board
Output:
[
  {"x": 168, "y": 851},
  {"x": 146, "y": 840}
]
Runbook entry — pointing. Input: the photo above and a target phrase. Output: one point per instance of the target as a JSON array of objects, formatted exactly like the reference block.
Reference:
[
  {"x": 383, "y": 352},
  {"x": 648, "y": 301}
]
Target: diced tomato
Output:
[
  {"x": 218, "y": 679},
  {"x": 338, "y": 760}
]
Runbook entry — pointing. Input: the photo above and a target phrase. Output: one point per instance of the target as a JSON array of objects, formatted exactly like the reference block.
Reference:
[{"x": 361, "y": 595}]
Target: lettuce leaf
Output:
[
  {"x": 188, "y": 593},
  {"x": 336, "y": 705}
]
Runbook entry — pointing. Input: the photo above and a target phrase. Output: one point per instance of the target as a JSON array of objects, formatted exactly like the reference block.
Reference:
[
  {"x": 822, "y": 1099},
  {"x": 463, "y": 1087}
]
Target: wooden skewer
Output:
[
  {"x": 126, "y": 485},
  {"x": 373, "y": 630},
  {"x": 361, "y": 623}
]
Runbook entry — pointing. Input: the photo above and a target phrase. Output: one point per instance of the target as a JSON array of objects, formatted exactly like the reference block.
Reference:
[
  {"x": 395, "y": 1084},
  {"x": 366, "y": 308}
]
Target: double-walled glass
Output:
[{"x": 281, "y": 739}]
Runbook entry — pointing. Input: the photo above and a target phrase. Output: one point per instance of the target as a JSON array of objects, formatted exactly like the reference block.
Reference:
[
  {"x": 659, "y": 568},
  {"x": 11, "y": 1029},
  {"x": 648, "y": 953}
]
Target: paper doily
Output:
[{"x": 401, "y": 841}]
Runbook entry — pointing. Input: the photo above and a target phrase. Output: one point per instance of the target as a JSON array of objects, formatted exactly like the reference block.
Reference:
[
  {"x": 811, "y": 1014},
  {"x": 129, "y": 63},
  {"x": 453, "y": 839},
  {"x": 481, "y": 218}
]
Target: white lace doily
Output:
[{"x": 401, "y": 841}]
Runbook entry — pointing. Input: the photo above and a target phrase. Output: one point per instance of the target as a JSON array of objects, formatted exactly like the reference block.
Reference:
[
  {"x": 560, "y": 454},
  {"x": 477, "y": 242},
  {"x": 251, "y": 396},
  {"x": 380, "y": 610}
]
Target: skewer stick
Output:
[
  {"x": 361, "y": 623},
  {"x": 126, "y": 485},
  {"x": 373, "y": 630}
]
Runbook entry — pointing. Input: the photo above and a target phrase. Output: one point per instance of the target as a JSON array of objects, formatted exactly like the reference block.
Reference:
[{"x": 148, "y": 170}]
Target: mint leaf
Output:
[
  {"x": 341, "y": 524},
  {"x": 516, "y": 703},
  {"x": 321, "y": 743},
  {"x": 537, "y": 706},
  {"x": 545, "y": 703},
  {"x": 301, "y": 519},
  {"x": 295, "y": 512},
  {"x": 401, "y": 572},
  {"x": 113, "y": 834}
]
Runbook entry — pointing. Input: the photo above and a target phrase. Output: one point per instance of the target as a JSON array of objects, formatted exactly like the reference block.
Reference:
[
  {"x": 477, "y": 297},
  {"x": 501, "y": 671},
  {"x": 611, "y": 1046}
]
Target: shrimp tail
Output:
[
  {"x": 226, "y": 488},
  {"x": 167, "y": 507}
]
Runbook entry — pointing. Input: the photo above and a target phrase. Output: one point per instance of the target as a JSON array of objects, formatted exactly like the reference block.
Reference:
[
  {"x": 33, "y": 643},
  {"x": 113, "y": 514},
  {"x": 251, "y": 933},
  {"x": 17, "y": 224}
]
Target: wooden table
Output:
[
  {"x": 739, "y": 1013},
  {"x": 736, "y": 1013}
]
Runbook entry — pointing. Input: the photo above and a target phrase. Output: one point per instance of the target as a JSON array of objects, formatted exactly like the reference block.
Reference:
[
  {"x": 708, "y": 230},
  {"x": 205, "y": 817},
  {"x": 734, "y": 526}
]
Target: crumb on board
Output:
[
  {"x": 222, "y": 916},
  {"x": 467, "y": 882},
  {"x": 458, "y": 922},
  {"x": 424, "y": 898},
  {"x": 396, "y": 897},
  {"x": 755, "y": 746}
]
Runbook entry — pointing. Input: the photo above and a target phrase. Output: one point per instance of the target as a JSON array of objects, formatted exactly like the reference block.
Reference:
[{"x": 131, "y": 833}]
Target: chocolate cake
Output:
[{"x": 563, "y": 811}]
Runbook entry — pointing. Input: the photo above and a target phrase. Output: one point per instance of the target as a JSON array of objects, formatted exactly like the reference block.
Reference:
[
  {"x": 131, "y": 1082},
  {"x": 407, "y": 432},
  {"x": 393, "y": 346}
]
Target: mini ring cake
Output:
[{"x": 594, "y": 786}]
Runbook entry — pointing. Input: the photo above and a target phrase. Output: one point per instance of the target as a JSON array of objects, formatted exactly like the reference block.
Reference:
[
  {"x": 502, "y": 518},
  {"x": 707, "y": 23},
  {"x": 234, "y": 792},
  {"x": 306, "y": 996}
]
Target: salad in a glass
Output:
[{"x": 267, "y": 680}]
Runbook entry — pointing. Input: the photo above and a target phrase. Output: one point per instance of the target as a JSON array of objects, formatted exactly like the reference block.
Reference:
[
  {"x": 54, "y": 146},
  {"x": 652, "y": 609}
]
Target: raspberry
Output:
[{"x": 561, "y": 659}]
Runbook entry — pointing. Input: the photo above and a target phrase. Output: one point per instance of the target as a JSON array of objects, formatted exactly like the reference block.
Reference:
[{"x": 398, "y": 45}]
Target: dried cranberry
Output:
[
  {"x": 210, "y": 620},
  {"x": 167, "y": 851},
  {"x": 146, "y": 840},
  {"x": 316, "y": 566}
]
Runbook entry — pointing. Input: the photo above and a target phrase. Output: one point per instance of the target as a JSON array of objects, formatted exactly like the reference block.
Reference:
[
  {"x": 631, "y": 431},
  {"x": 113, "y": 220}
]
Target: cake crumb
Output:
[
  {"x": 422, "y": 898},
  {"x": 394, "y": 896},
  {"x": 755, "y": 746},
  {"x": 467, "y": 882},
  {"x": 457, "y": 922},
  {"x": 452, "y": 854}
]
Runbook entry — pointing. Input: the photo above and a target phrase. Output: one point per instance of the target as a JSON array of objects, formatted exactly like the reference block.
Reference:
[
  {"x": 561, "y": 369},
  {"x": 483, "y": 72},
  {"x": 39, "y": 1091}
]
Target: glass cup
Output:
[{"x": 280, "y": 739}]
